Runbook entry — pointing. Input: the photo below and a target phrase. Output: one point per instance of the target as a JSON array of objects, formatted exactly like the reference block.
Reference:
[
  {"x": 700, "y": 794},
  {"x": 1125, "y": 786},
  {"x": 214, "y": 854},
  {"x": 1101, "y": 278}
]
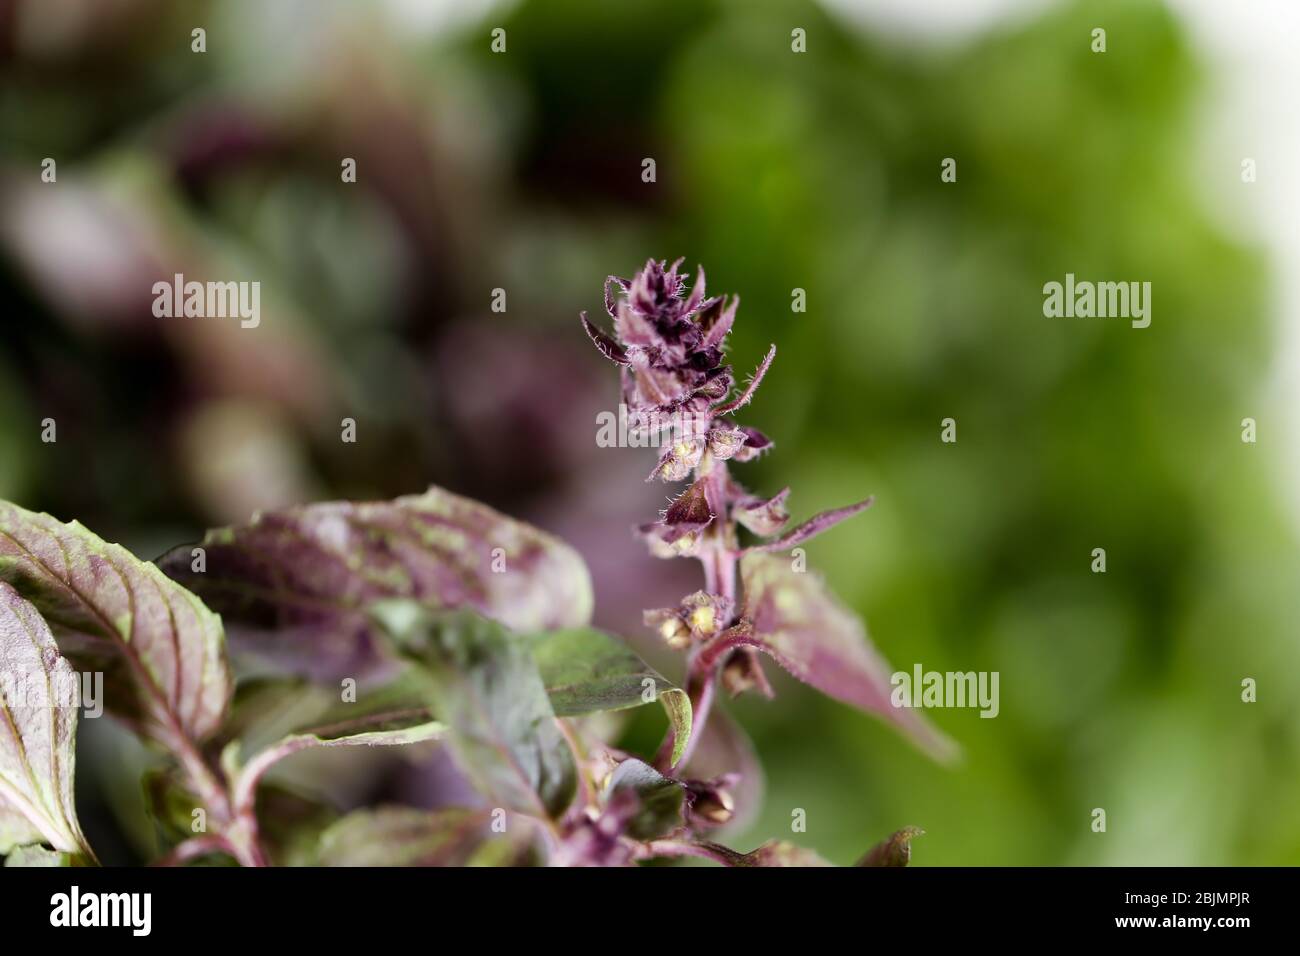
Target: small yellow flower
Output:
[
  {"x": 674, "y": 633},
  {"x": 703, "y": 620}
]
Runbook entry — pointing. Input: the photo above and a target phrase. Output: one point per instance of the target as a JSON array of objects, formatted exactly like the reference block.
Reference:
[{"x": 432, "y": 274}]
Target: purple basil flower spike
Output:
[
  {"x": 670, "y": 346},
  {"x": 668, "y": 341}
]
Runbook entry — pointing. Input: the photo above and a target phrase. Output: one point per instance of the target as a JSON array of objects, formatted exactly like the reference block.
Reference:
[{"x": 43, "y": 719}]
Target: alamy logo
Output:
[
  {"x": 212, "y": 300},
  {"x": 648, "y": 428},
  {"x": 1102, "y": 300},
  {"x": 134, "y": 910},
  {"x": 923, "y": 688},
  {"x": 41, "y": 691}
]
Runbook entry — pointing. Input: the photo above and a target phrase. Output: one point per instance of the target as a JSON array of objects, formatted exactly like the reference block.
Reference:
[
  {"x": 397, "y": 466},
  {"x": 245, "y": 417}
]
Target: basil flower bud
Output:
[
  {"x": 709, "y": 803},
  {"x": 697, "y": 618},
  {"x": 725, "y": 441},
  {"x": 679, "y": 459}
]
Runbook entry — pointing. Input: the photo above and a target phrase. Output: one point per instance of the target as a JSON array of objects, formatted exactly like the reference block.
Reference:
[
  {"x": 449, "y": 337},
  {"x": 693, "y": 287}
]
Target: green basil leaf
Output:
[
  {"x": 586, "y": 671},
  {"x": 485, "y": 687}
]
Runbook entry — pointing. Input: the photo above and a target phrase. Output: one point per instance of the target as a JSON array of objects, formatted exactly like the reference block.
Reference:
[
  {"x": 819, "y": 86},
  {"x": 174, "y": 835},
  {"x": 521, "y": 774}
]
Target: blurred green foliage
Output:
[{"x": 776, "y": 171}]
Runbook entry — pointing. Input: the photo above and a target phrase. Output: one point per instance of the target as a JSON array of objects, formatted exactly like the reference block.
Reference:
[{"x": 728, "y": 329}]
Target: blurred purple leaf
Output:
[
  {"x": 293, "y": 585},
  {"x": 604, "y": 343},
  {"x": 791, "y": 616}
]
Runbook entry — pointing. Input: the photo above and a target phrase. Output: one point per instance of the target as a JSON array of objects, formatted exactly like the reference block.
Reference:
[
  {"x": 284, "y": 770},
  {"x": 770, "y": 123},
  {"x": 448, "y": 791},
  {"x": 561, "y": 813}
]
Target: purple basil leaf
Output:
[
  {"x": 609, "y": 298},
  {"x": 741, "y": 400},
  {"x": 696, "y": 298},
  {"x": 716, "y": 318},
  {"x": 586, "y": 671},
  {"x": 162, "y": 651},
  {"x": 658, "y": 799},
  {"x": 656, "y": 388},
  {"x": 764, "y": 517},
  {"x": 485, "y": 686},
  {"x": 404, "y": 836},
  {"x": 292, "y": 586},
  {"x": 809, "y": 633},
  {"x": 606, "y": 345},
  {"x": 38, "y": 729},
  {"x": 894, "y": 850},
  {"x": 812, "y": 527},
  {"x": 678, "y": 533},
  {"x": 691, "y": 508},
  {"x": 634, "y": 330},
  {"x": 756, "y": 445}
]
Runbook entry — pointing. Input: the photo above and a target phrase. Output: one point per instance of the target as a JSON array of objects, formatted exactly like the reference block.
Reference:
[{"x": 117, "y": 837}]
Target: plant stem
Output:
[
  {"x": 236, "y": 826},
  {"x": 241, "y": 835},
  {"x": 718, "y": 558},
  {"x": 677, "y": 848},
  {"x": 193, "y": 848}
]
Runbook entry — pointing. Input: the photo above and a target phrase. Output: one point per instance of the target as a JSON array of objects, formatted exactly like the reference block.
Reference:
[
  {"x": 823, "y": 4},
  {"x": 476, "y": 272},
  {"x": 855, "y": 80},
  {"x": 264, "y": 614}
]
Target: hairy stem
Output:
[{"x": 718, "y": 558}]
